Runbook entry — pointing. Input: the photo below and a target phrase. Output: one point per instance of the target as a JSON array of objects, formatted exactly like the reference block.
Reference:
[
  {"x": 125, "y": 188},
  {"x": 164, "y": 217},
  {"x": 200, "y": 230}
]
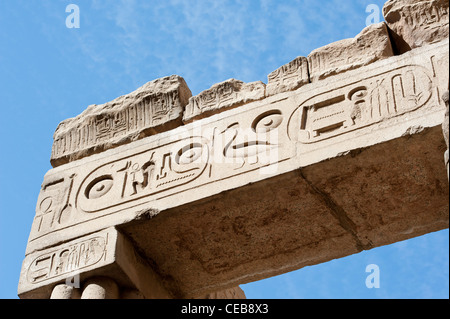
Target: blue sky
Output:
[{"x": 49, "y": 73}]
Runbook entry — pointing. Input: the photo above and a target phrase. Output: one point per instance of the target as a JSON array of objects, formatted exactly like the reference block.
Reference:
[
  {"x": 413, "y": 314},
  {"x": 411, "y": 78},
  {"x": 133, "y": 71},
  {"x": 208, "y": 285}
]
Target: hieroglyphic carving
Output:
[
  {"x": 167, "y": 169},
  {"x": 67, "y": 259},
  {"x": 417, "y": 22},
  {"x": 362, "y": 103},
  {"x": 257, "y": 140},
  {"x": 141, "y": 175},
  {"x": 148, "y": 110},
  {"x": 226, "y": 148},
  {"x": 288, "y": 77},
  {"x": 222, "y": 96},
  {"x": 53, "y": 207}
]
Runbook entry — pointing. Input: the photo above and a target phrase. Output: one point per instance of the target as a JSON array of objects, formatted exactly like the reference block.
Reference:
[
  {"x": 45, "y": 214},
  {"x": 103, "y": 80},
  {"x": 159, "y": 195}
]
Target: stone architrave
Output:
[
  {"x": 415, "y": 23},
  {"x": 371, "y": 45},
  {"x": 261, "y": 189},
  {"x": 153, "y": 108},
  {"x": 223, "y": 96}
]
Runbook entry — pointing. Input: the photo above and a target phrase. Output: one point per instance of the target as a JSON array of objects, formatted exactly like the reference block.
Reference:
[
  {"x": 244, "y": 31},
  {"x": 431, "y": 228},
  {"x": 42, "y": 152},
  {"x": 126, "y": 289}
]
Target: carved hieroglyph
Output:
[
  {"x": 103, "y": 253},
  {"x": 153, "y": 108},
  {"x": 288, "y": 77},
  {"x": 362, "y": 103},
  {"x": 68, "y": 259},
  {"x": 417, "y": 22},
  {"x": 223, "y": 96},
  {"x": 371, "y": 45},
  {"x": 259, "y": 140}
]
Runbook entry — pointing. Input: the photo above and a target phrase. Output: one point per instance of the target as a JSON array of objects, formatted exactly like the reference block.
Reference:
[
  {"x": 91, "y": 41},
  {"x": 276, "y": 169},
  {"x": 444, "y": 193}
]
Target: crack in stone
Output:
[{"x": 339, "y": 213}]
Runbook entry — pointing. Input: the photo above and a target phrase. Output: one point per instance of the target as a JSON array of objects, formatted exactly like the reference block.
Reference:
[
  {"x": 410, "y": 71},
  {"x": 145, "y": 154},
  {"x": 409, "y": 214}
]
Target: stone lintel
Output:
[
  {"x": 367, "y": 198},
  {"x": 264, "y": 189}
]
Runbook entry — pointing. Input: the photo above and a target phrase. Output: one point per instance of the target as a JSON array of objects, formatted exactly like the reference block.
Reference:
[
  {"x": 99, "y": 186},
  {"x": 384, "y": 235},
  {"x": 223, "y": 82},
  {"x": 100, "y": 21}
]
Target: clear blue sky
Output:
[{"x": 49, "y": 73}]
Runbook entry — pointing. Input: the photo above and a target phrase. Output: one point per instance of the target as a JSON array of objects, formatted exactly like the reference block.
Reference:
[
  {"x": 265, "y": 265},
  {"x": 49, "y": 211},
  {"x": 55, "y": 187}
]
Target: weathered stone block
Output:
[
  {"x": 223, "y": 96},
  {"x": 245, "y": 195},
  {"x": 105, "y": 253},
  {"x": 153, "y": 108},
  {"x": 371, "y": 45},
  {"x": 416, "y": 22},
  {"x": 288, "y": 77}
]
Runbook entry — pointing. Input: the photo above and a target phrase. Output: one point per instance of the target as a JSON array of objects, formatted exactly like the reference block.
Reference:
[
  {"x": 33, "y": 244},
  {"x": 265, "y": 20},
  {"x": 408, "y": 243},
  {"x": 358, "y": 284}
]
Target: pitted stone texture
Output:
[
  {"x": 63, "y": 291},
  {"x": 371, "y": 45},
  {"x": 416, "y": 22},
  {"x": 85, "y": 261},
  {"x": 100, "y": 288},
  {"x": 223, "y": 96},
  {"x": 153, "y": 108},
  {"x": 288, "y": 77},
  {"x": 321, "y": 212}
]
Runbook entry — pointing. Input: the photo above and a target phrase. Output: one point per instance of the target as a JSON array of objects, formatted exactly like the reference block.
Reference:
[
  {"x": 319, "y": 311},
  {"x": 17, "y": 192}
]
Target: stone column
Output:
[
  {"x": 100, "y": 288},
  {"x": 64, "y": 291}
]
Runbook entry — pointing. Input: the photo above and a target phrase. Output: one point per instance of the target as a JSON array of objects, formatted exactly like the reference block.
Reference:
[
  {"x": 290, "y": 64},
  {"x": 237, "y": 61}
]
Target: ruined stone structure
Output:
[{"x": 160, "y": 194}]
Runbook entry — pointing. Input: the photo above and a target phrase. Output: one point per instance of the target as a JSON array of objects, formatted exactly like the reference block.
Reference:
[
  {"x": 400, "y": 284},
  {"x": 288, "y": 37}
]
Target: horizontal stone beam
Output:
[
  {"x": 259, "y": 140},
  {"x": 291, "y": 180},
  {"x": 367, "y": 198}
]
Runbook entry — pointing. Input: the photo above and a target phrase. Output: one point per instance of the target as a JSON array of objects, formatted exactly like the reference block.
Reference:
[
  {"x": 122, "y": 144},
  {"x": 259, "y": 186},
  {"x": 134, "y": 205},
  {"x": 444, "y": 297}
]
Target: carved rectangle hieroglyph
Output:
[
  {"x": 103, "y": 253},
  {"x": 262, "y": 139},
  {"x": 153, "y": 108},
  {"x": 59, "y": 263}
]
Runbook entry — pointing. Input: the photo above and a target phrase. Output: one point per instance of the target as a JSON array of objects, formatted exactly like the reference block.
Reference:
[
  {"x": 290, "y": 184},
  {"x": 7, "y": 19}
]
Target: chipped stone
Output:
[
  {"x": 371, "y": 45},
  {"x": 153, "y": 108},
  {"x": 223, "y": 96},
  {"x": 288, "y": 77},
  {"x": 415, "y": 23}
]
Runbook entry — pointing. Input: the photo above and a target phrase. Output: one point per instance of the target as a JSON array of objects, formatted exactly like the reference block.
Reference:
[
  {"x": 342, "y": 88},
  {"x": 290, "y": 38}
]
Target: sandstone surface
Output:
[
  {"x": 223, "y": 96},
  {"x": 288, "y": 77},
  {"x": 371, "y": 45},
  {"x": 155, "y": 107},
  {"x": 160, "y": 194},
  {"x": 415, "y": 23},
  {"x": 258, "y": 190}
]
